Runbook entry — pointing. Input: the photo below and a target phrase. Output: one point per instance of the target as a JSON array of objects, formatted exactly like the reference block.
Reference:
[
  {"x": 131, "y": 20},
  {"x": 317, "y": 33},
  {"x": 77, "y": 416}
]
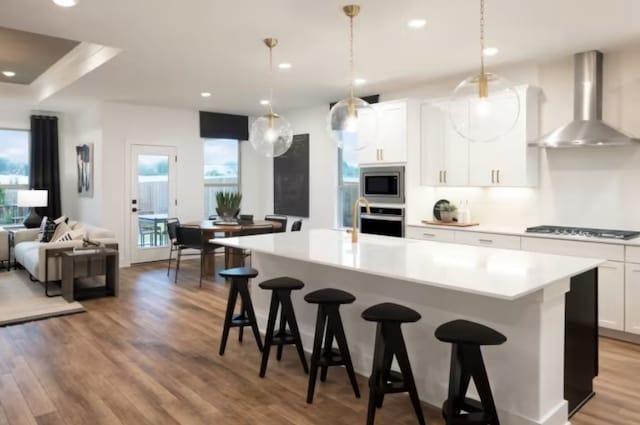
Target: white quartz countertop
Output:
[
  {"x": 520, "y": 231},
  {"x": 497, "y": 273}
]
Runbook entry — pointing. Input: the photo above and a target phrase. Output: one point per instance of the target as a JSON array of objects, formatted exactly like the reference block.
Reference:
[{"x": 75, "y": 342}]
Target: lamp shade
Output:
[{"x": 32, "y": 198}]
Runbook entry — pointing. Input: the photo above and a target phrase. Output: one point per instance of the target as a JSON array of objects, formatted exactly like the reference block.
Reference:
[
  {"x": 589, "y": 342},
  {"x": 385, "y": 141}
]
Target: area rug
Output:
[{"x": 22, "y": 300}]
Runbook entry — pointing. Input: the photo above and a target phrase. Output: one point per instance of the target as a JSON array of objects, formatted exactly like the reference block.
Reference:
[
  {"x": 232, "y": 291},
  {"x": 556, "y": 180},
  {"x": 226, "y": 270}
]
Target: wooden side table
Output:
[{"x": 89, "y": 263}]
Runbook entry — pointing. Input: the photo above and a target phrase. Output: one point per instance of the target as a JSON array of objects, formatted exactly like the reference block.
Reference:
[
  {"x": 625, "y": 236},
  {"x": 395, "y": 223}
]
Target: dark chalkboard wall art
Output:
[{"x": 291, "y": 179}]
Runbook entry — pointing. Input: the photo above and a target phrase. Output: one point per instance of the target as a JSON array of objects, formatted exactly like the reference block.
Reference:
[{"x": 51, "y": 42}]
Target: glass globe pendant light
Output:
[
  {"x": 484, "y": 107},
  {"x": 271, "y": 135},
  {"x": 352, "y": 119}
]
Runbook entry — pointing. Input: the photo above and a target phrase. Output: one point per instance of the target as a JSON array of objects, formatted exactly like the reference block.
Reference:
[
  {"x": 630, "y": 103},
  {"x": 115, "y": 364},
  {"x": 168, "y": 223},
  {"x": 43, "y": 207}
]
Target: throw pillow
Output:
[
  {"x": 49, "y": 230},
  {"x": 43, "y": 227},
  {"x": 61, "y": 229},
  {"x": 62, "y": 219},
  {"x": 71, "y": 235}
]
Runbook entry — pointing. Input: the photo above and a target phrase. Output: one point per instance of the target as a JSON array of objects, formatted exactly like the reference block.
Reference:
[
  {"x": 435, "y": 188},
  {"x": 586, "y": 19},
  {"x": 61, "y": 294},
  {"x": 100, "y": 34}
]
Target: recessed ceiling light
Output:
[
  {"x": 66, "y": 3},
  {"x": 9, "y": 74},
  {"x": 264, "y": 102},
  {"x": 417, "y": 23},
  {"x": 205, "y": 94},
  {"x": 490, "y": 51},
  {"x": 284, "y": 65},
  {"x": 359, "y": 81}
]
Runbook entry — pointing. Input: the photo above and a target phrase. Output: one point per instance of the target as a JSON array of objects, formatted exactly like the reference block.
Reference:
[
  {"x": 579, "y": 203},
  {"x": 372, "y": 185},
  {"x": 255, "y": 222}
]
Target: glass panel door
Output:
[{"x": 153, "y": 200}]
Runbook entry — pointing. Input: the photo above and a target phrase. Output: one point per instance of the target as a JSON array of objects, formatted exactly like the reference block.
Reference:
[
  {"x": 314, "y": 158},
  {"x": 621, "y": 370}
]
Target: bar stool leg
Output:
[
  {"x": 344, "y": 353},
  {"x": 228, "y": 317},
  {"x": 282, "y": 330},
  {"x": 249, "y": 313},
  {"x": 242, "y": 315},
  {"x": 374, "y": 379},
  {"x": 315, "y": 355},
  {"x": 287, "y": 309},
  {"x": 385, "y": 370},
  {"x": 397, "y": 341},
  {"x": 271, "y": 323},
  {"x": 328, "y": 346},
  {"x": 473, "y": 359}
]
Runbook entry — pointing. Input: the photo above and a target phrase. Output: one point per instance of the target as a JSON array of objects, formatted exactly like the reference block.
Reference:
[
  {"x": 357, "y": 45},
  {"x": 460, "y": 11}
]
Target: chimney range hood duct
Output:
[{"x": 587, "y": 127}]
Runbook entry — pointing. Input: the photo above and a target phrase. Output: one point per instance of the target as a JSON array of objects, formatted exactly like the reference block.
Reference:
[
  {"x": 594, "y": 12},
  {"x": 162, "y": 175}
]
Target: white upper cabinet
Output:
[
  {"x": 391, "y": 146},
  {"x": 445, "y": 154},
  {"x": 449, "y": 159}
]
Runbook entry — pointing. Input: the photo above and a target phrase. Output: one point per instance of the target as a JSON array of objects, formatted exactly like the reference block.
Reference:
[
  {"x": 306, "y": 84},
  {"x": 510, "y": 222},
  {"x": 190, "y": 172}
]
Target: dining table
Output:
[{"x": 233, "y": 257}]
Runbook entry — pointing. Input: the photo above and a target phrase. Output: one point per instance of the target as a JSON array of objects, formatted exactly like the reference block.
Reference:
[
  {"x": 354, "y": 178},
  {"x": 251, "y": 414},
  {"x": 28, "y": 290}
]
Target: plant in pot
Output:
[
  {"x": 447, "y": 212},
  {"x": 228, "y": 205}
]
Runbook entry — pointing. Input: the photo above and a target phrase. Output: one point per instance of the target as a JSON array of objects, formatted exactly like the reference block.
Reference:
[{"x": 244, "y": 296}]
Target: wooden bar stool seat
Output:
[
  {"x": 329, "y": 301},
  {"x": 239, "y": 278},
  {"x": 466, "y": 363},
  {"x": 281, "y": 288},
  {"x": 389, "y": 343}
]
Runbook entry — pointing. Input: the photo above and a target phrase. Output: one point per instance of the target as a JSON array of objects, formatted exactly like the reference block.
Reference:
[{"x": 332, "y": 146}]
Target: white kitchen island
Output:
[{"x": 518, "y": 293}]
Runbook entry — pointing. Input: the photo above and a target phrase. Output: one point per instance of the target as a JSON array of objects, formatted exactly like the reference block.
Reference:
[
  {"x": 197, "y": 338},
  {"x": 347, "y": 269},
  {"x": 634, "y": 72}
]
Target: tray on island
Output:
[{"x": 449, "y": 223}]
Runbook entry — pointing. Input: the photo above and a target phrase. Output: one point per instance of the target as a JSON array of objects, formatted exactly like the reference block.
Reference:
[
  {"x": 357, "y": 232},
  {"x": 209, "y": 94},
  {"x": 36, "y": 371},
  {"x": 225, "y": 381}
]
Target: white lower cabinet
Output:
[
  {"x": 611, "y": 295},
  {"x": 488, "y": 239},
  {"x": 632, "y": 298},
  {"x": 430, "y": 234}
]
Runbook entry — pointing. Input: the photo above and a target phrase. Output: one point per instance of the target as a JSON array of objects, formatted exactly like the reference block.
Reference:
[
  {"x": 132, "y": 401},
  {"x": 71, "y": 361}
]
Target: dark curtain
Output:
[{"x": 44, "y": 167}]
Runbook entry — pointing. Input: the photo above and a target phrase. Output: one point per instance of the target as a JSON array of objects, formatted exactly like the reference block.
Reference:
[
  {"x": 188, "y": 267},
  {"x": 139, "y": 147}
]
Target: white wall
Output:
[
  {"x": 124, "y": 125},
  {"x": 583, "y": 187}
]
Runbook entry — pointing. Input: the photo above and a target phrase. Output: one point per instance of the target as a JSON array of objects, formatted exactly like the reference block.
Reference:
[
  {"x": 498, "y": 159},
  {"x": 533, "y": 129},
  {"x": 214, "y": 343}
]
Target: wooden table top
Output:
[{"x": 234, "y": 228}]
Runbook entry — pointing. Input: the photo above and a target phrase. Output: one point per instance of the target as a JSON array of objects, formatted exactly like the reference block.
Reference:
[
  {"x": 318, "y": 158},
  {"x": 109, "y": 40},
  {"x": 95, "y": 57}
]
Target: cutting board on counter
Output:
[{"x": 449, "y": 224}]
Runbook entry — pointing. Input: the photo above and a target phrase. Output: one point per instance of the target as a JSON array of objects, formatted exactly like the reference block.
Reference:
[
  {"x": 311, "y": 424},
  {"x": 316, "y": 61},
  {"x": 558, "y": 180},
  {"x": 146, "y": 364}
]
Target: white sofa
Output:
[{"x": 32, "y": 254}]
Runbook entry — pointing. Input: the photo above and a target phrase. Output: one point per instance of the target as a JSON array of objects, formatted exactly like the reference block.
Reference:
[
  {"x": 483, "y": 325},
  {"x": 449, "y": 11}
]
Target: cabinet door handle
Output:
[
  {"x": 440, "y": 176},
  {"x": 607, "y": 267},
  {"x": 635, "y": 270},
  {"x": 429, "y": 235},
  {"x": 445, "y": 176},
  {"x": 498, "y": 176},
  {"x": 381, "y": 154},
  {"x": 493, "y": 176},
  {"x": 485, "y": 241}
]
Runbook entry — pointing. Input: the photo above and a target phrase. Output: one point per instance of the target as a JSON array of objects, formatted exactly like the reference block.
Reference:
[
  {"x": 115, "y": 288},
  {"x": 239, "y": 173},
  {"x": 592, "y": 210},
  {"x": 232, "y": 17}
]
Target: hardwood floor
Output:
[{"x": 150, "y": 357}]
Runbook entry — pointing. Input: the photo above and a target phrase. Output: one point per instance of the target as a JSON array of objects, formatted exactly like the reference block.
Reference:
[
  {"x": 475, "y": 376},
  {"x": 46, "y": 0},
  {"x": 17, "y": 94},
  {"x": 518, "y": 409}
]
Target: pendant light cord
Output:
[
  {"x": 270, "y": 80},
  {"x": 351, "y": 67},
  {"x": 481, "y": 37}
]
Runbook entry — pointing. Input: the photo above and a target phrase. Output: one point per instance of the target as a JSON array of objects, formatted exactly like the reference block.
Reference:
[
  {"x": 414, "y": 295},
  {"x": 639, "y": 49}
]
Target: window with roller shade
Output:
[{"x": 14, "y": 174}]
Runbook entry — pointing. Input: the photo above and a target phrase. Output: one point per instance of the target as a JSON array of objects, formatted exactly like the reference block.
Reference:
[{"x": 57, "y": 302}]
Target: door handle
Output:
[
  {"x": 498, "y": 176},
  {"x": 445, "y": 176},
  {"x": 134, "y": 210},
  {"x": 493, "y": 176}
]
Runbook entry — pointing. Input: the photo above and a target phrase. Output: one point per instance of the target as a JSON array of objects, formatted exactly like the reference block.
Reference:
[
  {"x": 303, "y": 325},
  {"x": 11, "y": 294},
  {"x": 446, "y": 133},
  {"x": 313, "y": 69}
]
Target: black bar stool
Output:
[
  {"x": 466, "y": 363},
  {"x": 281, "y": 288},
  {"x": 329, "y": 301},
  {"x": 390, "y": 343},
  {"x": 239, "y": 278}
]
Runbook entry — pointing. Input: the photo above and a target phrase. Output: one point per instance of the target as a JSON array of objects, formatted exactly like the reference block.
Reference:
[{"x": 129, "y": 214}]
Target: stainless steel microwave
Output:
[{"x": 382, "y": 184}]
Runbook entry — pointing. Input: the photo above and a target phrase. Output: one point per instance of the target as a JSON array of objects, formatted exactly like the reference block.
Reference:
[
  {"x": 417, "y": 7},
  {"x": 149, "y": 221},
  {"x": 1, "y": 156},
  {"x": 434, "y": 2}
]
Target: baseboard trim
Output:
[{"x": 622, "y": 336}]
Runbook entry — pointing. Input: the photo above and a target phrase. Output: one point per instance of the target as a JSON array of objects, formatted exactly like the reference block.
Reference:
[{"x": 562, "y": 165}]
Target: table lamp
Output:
[{"x": 32, "y": 199}]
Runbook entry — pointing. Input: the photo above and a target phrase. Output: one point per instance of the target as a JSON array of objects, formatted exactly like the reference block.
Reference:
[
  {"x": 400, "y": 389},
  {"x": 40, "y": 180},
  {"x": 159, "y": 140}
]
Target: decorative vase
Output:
[
  {"x": 227, "y": 214},
  {"x": 446, "y": 216}
]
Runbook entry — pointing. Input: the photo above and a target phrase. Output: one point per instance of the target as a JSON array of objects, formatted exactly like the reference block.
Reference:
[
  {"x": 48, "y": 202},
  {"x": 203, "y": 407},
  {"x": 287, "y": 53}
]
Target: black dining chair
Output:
[
  {"x": 282, "y": 219},
  {"x": 172, "y": 225},
  {"x": 191, "y": 237},
  {"x": 296, "y": 226}
]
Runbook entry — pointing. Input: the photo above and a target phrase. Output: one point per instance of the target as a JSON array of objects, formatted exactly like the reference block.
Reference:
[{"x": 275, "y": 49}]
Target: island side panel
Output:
[{"x": 525, "y": 373}]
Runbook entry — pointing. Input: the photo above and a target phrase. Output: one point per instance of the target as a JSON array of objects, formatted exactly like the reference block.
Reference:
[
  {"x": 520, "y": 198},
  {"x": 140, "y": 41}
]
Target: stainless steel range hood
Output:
[{"x": 587, "y": 127}]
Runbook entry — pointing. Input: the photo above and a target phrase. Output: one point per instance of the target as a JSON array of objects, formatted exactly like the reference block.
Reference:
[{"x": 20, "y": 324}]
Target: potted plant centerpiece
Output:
[
  {"x": 228, "y": 205},
  {"x": 447, "y": 212}
]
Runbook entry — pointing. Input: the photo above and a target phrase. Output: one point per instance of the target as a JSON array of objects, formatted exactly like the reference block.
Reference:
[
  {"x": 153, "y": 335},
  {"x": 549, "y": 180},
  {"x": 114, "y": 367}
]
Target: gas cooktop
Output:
[{"x": 582, "y": 231}]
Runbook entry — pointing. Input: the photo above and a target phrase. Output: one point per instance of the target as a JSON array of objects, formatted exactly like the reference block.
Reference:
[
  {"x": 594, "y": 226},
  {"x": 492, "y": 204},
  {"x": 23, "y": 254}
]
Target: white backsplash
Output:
[{"x": 587, "y": 187}]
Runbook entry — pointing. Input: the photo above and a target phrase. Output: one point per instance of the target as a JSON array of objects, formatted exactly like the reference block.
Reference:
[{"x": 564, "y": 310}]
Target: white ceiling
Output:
[{"x": 173, "y": 50}]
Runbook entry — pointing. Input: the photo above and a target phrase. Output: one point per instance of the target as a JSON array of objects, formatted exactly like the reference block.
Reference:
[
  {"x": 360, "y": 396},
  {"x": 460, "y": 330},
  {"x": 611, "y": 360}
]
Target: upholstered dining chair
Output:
[
  {"x": 282, "y": 219},
  {"x": 172, "y": 225}
]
